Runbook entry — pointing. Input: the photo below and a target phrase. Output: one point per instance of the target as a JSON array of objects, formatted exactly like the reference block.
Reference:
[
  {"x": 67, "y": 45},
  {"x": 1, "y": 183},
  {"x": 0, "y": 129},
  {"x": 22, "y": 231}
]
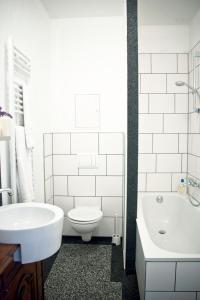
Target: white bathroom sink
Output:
[{"x": 36, "y": 227}]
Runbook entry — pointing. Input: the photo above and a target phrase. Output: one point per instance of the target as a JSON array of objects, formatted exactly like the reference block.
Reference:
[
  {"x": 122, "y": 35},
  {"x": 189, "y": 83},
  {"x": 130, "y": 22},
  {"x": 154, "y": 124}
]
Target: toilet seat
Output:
[{"x": 85, "y": 215}]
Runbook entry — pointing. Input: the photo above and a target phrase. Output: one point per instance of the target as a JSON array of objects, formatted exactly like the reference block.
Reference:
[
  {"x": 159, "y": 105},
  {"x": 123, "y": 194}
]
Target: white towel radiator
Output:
[{"x": 18, "y": 72}]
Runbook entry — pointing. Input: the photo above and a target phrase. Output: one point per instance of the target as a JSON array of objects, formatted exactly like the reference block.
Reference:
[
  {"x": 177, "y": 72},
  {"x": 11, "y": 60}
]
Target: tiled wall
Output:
[
  {"x": 68, "y": 185},
  {"x": 194, "y": 120},
  {"x": 163, "y": 121}
]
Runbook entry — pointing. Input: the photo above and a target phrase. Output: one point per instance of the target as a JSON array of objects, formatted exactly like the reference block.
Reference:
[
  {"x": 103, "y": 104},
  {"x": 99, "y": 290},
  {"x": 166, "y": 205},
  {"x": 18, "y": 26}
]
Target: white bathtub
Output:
[{"x": 168, "y": 248}]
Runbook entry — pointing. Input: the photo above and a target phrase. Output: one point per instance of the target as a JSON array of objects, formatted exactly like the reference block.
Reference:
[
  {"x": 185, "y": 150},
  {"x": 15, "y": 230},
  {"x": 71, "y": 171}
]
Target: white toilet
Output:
[{"x": 84, "y": 220}]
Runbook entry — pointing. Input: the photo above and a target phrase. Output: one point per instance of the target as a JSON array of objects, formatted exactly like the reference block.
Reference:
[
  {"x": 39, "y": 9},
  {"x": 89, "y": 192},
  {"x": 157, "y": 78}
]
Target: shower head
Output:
[
  {"x": 182, "y": 83},
  {"x": 194, "y": 92}
]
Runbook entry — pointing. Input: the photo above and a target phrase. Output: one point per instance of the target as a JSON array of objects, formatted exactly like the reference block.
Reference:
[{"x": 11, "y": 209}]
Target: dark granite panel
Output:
[
  {"x": 132, "y": 49},
  {"x": 96, "y": 240}
]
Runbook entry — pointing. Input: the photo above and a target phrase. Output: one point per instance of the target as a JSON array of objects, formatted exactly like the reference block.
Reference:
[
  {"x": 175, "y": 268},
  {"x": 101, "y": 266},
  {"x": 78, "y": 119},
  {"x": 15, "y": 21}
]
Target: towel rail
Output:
[{"x": 18, "y": 74}]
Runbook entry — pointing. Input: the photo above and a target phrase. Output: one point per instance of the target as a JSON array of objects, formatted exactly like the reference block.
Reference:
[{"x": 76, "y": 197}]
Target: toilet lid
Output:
[{"x": 85, "y": 214}]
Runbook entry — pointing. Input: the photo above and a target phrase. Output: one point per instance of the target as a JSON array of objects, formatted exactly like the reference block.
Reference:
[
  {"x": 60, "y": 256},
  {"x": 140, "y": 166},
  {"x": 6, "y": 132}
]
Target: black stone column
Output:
[{"x": 132, "y": 152}]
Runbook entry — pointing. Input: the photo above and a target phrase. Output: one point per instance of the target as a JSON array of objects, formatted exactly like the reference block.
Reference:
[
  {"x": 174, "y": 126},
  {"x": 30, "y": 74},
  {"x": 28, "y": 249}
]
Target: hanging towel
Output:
[
  {"x": 24, "y": 167},
  {"x": 27, "y": 120}
]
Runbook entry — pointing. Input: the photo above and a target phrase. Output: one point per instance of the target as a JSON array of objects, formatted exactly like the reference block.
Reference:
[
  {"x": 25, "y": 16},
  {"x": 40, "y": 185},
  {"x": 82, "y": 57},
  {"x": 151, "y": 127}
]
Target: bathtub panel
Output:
[
  {"x": 140, "y": 266},
  {"x": 160, "y": 276},
  {"x": 188, "y": 276},
  {"x": 170, "y": 296}
]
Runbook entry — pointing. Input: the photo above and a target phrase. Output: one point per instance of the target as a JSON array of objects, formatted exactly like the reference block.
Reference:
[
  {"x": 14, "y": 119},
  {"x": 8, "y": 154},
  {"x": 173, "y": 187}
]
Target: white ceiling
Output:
[
  {"x": 83, "y": 8},
  {"x": 150, "y": 12},
  {"x": 167, "y": 12}
]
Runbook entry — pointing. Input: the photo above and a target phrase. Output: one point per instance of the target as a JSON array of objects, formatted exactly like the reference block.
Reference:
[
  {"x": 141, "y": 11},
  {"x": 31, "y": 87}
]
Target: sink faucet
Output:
[{"x": 7, "y": 190}]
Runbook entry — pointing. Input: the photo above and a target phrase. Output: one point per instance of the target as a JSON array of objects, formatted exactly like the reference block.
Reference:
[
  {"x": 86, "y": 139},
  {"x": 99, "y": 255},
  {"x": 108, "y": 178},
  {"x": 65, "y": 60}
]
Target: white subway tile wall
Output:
[
  {"x": 60, "y": 185},
  {"x": 143, "y": 103},
  {"x": 84, "y": 143},
  {"x": 67, "y": 185},
  {"x": 153, "y": 83},
  {"x": 88, "y": 201},
  {"x": 61, "y": 143},
  {"x": 163, "y": 121},
  {"x": 81, "y": 185},
  {"x": 194, "y": 122}
]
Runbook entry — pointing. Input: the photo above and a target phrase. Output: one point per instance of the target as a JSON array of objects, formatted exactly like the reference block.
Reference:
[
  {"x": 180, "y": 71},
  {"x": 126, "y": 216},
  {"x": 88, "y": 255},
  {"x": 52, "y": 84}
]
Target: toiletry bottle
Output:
[{"x": 182, "y": 187}]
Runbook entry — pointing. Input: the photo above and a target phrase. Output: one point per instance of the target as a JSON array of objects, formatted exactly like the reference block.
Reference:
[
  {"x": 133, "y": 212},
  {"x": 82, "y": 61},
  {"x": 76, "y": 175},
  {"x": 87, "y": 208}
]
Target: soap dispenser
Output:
[{"x": 182, "y": 187}]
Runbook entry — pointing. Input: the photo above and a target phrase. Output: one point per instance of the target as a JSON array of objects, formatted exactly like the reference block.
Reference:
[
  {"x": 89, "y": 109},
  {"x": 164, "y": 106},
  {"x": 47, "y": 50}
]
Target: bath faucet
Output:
[
  {"x": 192, "y": 182},
  {"x": 7, "y": 190}
]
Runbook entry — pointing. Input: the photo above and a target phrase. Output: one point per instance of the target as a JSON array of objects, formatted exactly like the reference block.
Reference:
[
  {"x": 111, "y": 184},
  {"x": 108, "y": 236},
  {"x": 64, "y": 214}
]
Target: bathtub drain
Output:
[{"x": 162, "y": 231}]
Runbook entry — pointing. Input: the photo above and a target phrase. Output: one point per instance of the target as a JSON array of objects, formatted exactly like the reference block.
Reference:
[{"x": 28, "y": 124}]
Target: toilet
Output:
[{"x": 84, "y": 220}]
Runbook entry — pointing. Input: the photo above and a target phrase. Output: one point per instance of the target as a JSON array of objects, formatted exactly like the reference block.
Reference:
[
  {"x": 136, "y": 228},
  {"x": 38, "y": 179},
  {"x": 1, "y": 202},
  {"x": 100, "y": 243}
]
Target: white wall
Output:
[
  {"x": 89, "y": 57},
  {"x": 166, "y": 39},
  {"x": 28, "y": 23},
  {"x": 195, "y": 29}
]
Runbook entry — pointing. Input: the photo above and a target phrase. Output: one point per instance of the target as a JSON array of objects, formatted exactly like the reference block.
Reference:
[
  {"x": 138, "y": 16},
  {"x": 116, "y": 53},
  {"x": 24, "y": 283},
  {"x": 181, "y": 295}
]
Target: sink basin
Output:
[{"x": 37, "y": 227}]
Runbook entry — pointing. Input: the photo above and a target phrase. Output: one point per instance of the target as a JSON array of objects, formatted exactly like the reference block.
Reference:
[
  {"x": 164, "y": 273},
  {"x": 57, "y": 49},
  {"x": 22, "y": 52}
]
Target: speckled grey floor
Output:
[{"x": 82, "y": 272}]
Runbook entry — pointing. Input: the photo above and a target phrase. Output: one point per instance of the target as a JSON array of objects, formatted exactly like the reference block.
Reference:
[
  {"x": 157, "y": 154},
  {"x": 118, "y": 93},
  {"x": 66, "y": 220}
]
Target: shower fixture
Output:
[
  {"x": 194, "y": 91},
  {"x": 181, "y": 83}
]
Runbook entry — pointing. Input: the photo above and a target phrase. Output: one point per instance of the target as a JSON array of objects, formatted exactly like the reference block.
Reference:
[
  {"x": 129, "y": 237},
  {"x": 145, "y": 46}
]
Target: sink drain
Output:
[{"x": 162, "y": 231}]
